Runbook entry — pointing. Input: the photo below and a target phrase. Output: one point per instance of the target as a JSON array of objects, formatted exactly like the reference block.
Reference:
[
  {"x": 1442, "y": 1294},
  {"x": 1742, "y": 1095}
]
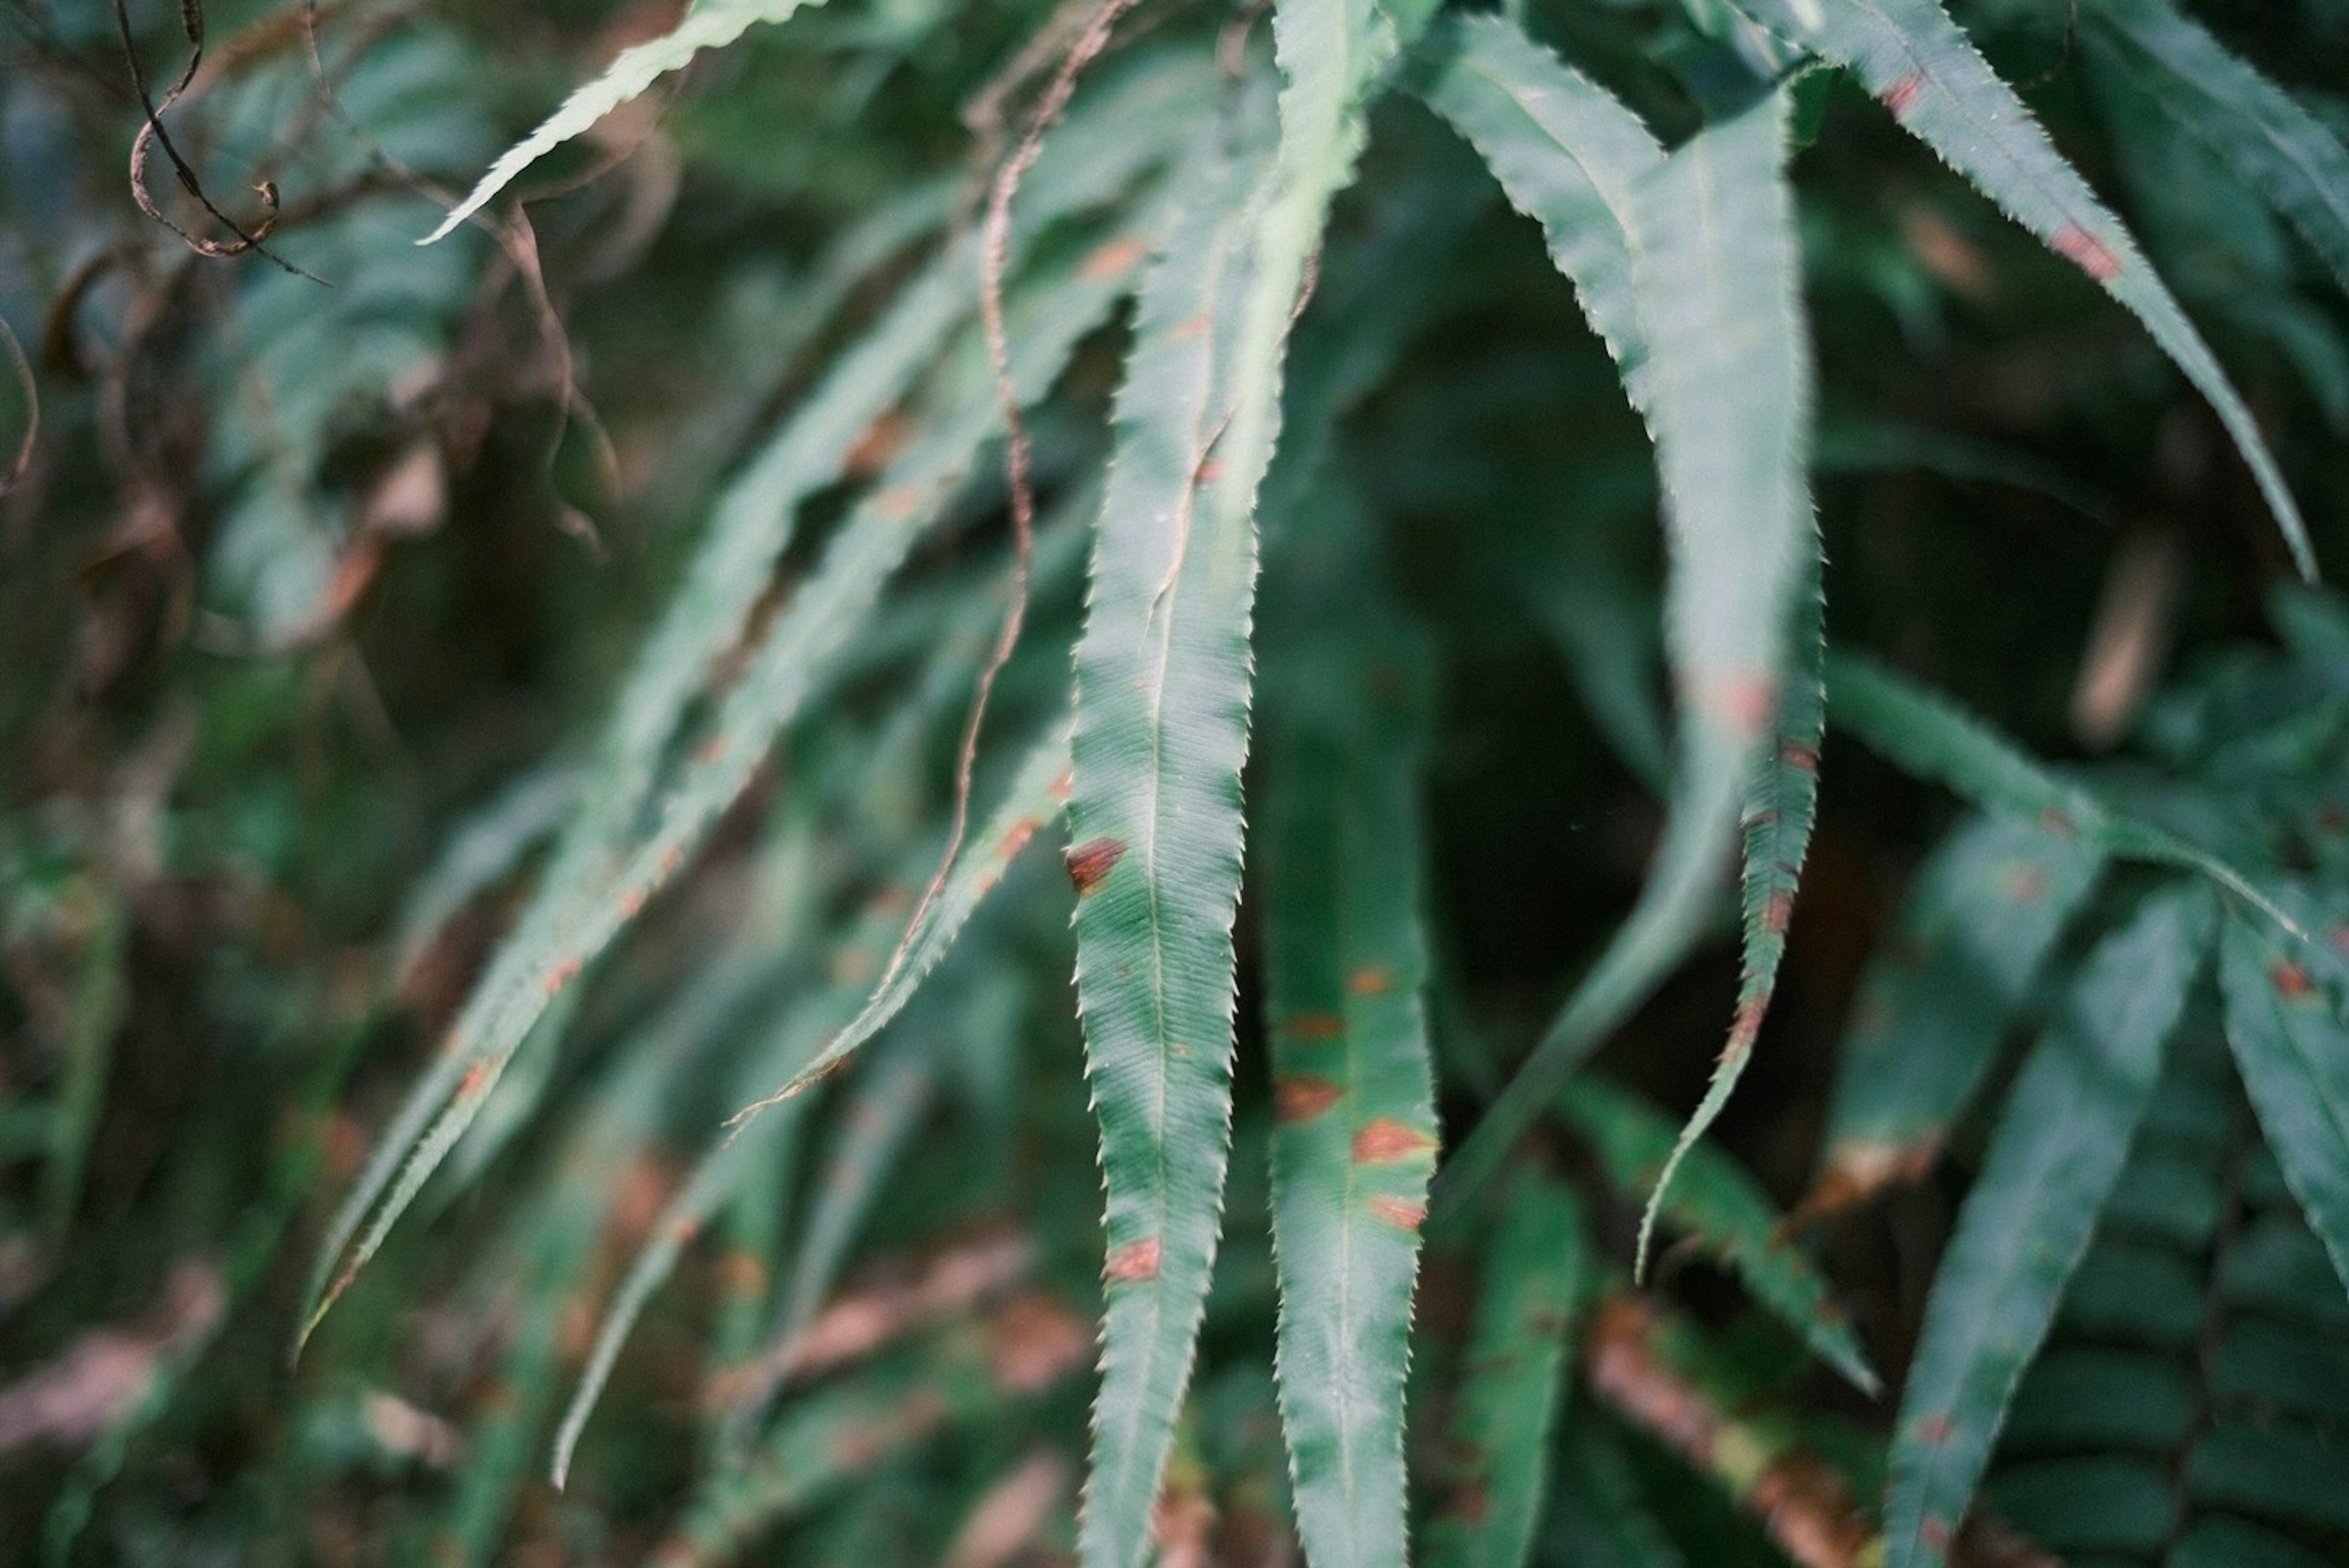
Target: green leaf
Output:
[
  {"x": 599, "y": 882},
  {"x": 1716, "y": 270},
  {"x": 1952, "y": 976},
  {"x": 1032, "y": 801},
  {"x": 706, "y": 25},
  {"x": 1782, "y": 802},
  {"x": 2050, "y": 1167},
  {"x": 1532, "y": 1286},
  {"x": 1914, "y": 59},
  {"x": 1163, "y": 693},
  {"x": 1925, "y": 734},
  {"x": 1568, "y": 154},
  {"x": 1355, "y": 1138},
  {"x": 2251, "y": 124},
  {"x": 1724, "y": 1210},
  {"x": 1154, "y": 826},
  {"x": 2284, "y": 1023}
]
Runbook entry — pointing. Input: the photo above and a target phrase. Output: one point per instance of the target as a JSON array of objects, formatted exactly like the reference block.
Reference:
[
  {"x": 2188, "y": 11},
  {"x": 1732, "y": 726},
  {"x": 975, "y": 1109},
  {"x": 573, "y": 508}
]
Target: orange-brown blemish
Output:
[
  {"x": 2026, "y": 885},
  {"x": 1933, "y": 1428},
  {"x": 1133, "y": 1263},
  {"x": 1196, "y": 327},
  {"x": 899, "y": 503},
  {"x": 476, "y": 1077},
  {"x": 1112, "y": 258},
  {"x": 1302, "y": 1096},
  {"x": 2084, "y": 251},
  {"x": 2056, "y": 823},
  {"x": 1017, "y": 839},
  {"x": 1399, "y": 1212},
  {"x": 1383, "y": 1139},
  {"x": 1313, "y": 1026},
  {"x": 713, "y": 750},
  {"x": 1210, "y": 471},
  {"x": 561, "y": 975},
  {"x": 1065, "y": 785},
  {"x": 2290, "y": 980},
  {"x": 1370, "y": 980},
  {"x": 632, "y": 902},
  {"x": 1778, "y": 912},
  {"x": 1797, "y": 755},
  {"x": 1741, "y": 701},
  {"x": 1089, "y": 862},
  {"x": 1902, "y": 95}
]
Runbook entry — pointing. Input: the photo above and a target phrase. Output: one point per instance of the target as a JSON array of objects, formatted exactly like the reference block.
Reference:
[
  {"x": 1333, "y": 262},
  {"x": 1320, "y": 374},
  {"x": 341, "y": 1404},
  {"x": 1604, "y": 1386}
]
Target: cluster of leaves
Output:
[{"x": 1195, "y": 351}]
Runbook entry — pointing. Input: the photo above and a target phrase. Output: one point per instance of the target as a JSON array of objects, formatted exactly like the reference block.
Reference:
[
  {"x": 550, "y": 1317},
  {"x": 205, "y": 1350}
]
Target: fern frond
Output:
[{"x": 2052, "y": 1167}]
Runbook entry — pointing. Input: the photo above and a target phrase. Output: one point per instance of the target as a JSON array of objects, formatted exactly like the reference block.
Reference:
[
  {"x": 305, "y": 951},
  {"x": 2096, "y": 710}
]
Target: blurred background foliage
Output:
[{"x": 323, "y": 562}]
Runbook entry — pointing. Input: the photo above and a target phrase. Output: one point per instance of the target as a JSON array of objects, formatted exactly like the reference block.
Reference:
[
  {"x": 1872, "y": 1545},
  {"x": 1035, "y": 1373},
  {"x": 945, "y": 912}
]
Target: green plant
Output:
[{"x": 773, "y": 902}]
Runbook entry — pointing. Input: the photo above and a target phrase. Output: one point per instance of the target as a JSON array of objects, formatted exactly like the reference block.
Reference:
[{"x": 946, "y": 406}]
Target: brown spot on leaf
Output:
[
  {"x": 1313, "y": 1026},
  {"x": 1370, "y": 980},
  {"x": 561, "y": 975},
  {"x": 1065, "y": 785},
  {"x": 476, "y": 1078},
  {"x": 1089, "y": 862},
  {"x": 2290, "y": 980},
  {"x": 1399, "y": 1212},
  {"x": 1472, "y": 1501},
  {"x": 1383, "y": 1139},
  {"x": 1741, "y": 701},
  {"x": 899, "y": 503},
  {"x": 1112, "y": 258},
  {"x": 2056, "y": 823},
  {"x": 2084, "y": 251},
  {"x": 1302, "y": 1096},
  {"x": 1796, "y": 756},
  {"x": 1133, "y": 1263},
  {"x": 1902, "y": 95},
  {"x": 1017, "y": 839},
  {"x": 1933, "y": 1428},
  {"x": 1778, "y": 912},
  {"x": 2332, "y": 820},
  {"x": 2026, "y": 884},
  {"x": 1196, "y": 327}
]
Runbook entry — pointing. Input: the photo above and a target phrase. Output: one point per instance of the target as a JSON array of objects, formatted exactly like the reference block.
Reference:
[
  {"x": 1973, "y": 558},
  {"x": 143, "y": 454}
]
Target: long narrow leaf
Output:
[
  {"x": 1952, "y": 977},
  {"x": 1914, "y": 59},
  {"x": 1716, "y": 270},
  {"x": 1533, "y": 1284},
  {"x": 2050, "y": 1167},
  {"x": 2286, "y": 1025},
  {"x": 706, "y": 25},
  {"x": 1355, "y": 1140},
  {"x": 1927, "y": 735},
  {"x": 2248, "y": 121},
  {"x": 1566, "y": 152},
  {"x": 1782, "y": 802},
  {"x": 1724, "y": 1212},
  {"x": 1154, "y": 832}
]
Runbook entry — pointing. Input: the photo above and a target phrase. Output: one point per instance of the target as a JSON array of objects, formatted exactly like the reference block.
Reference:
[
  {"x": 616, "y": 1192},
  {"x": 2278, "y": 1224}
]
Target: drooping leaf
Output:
[
  {"x": 1163, "y": 693},
  {"x": 706, "y": 25},
  {"x": 2286, "y": 1026},
  {"x": 1953, "y": 975},
  {"x": 1533, "y": 1280},
  {"x": 1566, "y": 152},
  {"x": 1715, "y": 268},
  {"x": 1032, "y": 801},
  {"x": 586, "y": 899},
  {"x": 1925, "y": 71},
  {"x": 1355, "y": 1138},
  {"x": 1782, "y": 801},
  {"x": 1925, "y": 734},
  {"x": 2252, "y": 124},
  {"x": 1163, "y": 685},
  {"x": 2049, "y": 1172},
  {"x": 1723, "y": 1212}
]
